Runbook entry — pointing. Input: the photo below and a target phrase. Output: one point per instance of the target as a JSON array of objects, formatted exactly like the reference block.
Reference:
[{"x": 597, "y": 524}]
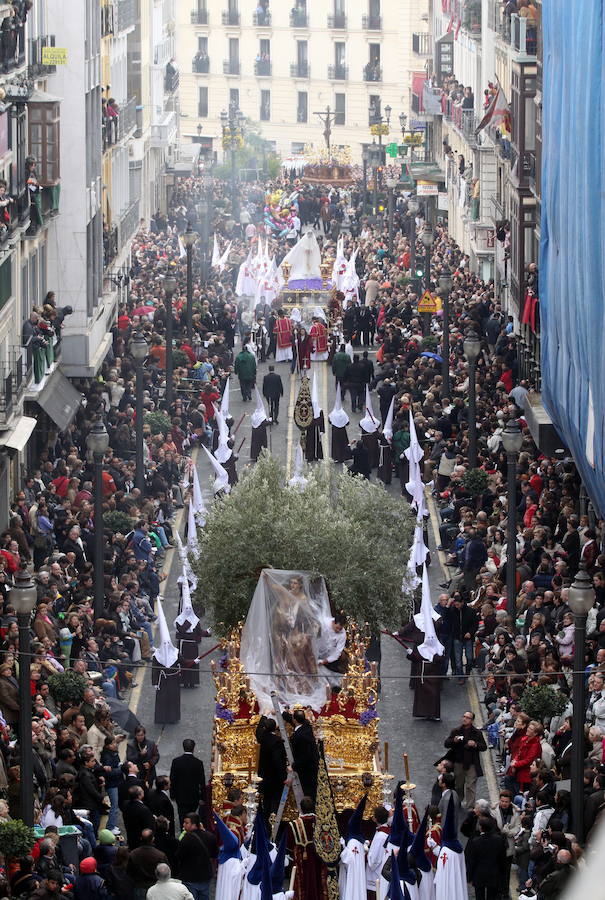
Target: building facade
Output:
[{"x": 281, "y": 63}]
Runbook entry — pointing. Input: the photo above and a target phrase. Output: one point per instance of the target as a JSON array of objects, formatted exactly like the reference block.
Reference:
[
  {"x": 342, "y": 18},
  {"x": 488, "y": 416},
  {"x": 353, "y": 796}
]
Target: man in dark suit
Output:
[
  {"x": 465, "y": 744},
  {"x": 272, "y": 763},
  {"x": 273, "y": 389},
  {"x": 486, "y": 860},
  {"x": 304, "y": 751},
  {"x": 159, "y": 802},
  {"x": 137, "y": 818},
  {"x": 187, "y": 781},
  {"x": 131, "y": 779}
]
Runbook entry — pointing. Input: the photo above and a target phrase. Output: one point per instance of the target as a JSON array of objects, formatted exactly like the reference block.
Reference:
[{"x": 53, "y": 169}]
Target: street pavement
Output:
[{"x": 421, "y": 740}]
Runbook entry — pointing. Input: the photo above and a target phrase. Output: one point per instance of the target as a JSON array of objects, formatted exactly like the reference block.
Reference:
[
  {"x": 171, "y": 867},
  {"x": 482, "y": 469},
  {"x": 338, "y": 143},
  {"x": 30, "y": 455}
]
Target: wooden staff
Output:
[
  {"x": 406, "y": 765},
  {"x": 240, "y": 446},
  {"x": 386, "y": 756},
  {"x": 236, "y": 429}
]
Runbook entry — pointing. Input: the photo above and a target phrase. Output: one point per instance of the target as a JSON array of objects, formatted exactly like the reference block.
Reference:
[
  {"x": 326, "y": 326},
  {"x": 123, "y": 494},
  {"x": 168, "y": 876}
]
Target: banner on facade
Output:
[
  {"x": 427, "y": 189},
  {"x": 54, "y": 56}
]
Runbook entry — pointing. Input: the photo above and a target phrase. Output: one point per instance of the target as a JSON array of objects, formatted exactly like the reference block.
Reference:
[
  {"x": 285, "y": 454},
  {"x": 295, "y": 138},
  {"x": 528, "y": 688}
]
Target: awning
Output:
[
  {"x": 18, "y": 436},
  {"x": 59, "y": 400}
]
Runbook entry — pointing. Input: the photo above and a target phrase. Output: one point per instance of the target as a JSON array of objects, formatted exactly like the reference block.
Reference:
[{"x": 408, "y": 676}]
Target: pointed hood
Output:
[
  {"x": 400, "y": 835},
  {"x": 165, "y": 652},
  {"x": 387, "y": 428},
  {"x": 261, "y": 848},
  {"x": 298, "y": 480},
  {"x": 192, "y": 542},
  {"x": 199, "y": 507},
  {"x": 225, "y": 402},
  {"x": 354, "y": 828},
  {"x": 228, "y": 841},
  {"x": 221, "y": 482},
  {"x": 403, "y": 864},
  {"x": 449, "y": 834},
  {"x": 315, "y": 398},
  {"x": 425, "y": 621},
  {"x": 417, "y": 849},
  {"x": 224, "y": 258},
  {"x": 338, "y": 417},
  {"x": 260, "y": 413},
  {"x": 395, "y": 892},
  {"x": 414, "y": 452},
  {"x": 223, "y": 451},
  {"x": 279, "y": 864},
  {"x": 369, "y": 423},
  {"x": 216, "y": 253},
  {"x": 418, "y": 554},
  {"x": 187, "y": 613},
  {"x": 320, "y": 314},
  {"x": 242, "y": 285}
]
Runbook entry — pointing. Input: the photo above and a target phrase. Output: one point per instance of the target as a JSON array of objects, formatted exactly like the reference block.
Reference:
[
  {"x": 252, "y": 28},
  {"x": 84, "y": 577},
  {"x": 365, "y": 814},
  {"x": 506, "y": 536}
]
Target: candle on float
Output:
[
  {"x": 386, "y": 756},
  {"x": 373, "y": 669},
  {"x": 249, "y": 770},
  {"x": 406, "y": 766}
]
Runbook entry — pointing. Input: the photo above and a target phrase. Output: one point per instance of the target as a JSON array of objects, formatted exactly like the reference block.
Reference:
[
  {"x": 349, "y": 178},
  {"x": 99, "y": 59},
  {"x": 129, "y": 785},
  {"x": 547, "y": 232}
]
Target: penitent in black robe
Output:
[
  {"x": 385, "y": 463},
  {"x": 370, "y": 441},
  {"x": 168, "y": 693},
  {"x": 427, "y": 686},
  {"x": 258, "y": 441},
  {"x": 189, "y": 646},
  {"x": 313, "y": 446},
  {"x": 340, "y": 449}
]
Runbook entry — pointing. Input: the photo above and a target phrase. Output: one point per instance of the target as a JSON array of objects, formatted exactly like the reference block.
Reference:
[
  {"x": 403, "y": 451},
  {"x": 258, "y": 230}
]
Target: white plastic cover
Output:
[{"x": 280, "y": 638}]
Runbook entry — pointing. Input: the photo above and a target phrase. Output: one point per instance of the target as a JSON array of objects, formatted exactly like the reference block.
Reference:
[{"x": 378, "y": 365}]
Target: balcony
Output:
[
  {"x": 7, "y": 394},
  {"x": 12, "y": 49},
  {"x": 199, "y": 16},
  {"x": 110, "y": 245},
  {"x": 372, "y": 72},
  {"x": 262, "y": 67},
  {"x": 523, "y": 37},
  {"x": 299, "y": 18},
  {"x": 231, "y": 17},
  {"x": 338, "y": 73},
  {"x": 337, "y": 21},
  {"x": 126, "y": 15},
  {"x": 464, "y": 120},
  {"x": 471, "y": 17},
  {"x": 300, "y": 70},
  {"x": 35, "y": 68},
  {"x": 371, "y": 23},
  {"x": 421, "y": 44},
  {"x": 261, "y": 19},
  {"x": 129, "y": 222},
  {"x": 200, "y": 65},
  {"x": 163, "y": 133},
  {"x": 127, "y": 118},
  {"x": 171, "y": 80},
  {"x": 231, "y": 67},
  {"x": 22, "y": 362}
]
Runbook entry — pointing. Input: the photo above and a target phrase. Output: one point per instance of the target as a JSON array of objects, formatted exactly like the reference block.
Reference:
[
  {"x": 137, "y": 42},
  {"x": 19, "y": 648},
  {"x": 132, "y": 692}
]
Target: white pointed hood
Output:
[
  {"x": 223, "y": 451},
  {"x": 216, "y": 253},
  {"x": 260, "y": 413},
  {"x": 192, "y": 542},
  {"x": 414, "y": 452},
  {"x": 388, "y": 422},
  {"x": 298, "y": 480},
  {"x": 338, "y": 417},
  {"x": 223, "y": 260},
  {"x": 225, "y": 401},
  {"x": 221, "y": 482},
  {"x": 369, "y": 423},
  {"x": 315, "y": 398},
  {"x": 188, "y": 573},
  {"x": 320, "y": 314},
  {"x": 425, "y": 621},
  {"x": 165, "y": 652},
  {"x": 187, "y": 613},
  {"x": 199, "y": 507},
  {"x": 244, "y": 282}
]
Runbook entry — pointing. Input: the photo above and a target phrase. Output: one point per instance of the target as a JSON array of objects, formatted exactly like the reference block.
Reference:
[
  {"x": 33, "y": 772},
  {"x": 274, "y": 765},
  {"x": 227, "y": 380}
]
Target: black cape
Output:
[{"x": 258, "y": 441}]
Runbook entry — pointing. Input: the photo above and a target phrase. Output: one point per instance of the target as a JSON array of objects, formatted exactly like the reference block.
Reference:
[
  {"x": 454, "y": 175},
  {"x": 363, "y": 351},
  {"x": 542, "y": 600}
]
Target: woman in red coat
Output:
[{"x": 528, "y": 750}]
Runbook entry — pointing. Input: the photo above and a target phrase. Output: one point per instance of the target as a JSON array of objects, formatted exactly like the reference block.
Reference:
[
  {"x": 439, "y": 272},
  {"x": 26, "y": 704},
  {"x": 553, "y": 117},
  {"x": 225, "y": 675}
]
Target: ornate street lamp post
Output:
[{"x": 98, "y": 442}]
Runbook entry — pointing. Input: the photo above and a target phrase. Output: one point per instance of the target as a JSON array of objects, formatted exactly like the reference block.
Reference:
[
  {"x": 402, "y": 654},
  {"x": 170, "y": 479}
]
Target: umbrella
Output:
[
  {"x": 432, "y": 356},
  {"x": 143, "y": 310},
  {"x": 122, "y": 715}
]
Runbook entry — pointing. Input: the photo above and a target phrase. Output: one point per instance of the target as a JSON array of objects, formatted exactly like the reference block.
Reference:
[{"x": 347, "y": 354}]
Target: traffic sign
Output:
[{"x": 427, "y": 303}]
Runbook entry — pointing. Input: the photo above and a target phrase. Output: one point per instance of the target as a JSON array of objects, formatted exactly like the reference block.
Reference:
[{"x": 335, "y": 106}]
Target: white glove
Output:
[{"x": 431, "y": 843}]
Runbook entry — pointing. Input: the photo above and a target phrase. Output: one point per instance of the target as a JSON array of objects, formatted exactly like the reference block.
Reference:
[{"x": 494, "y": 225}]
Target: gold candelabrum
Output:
[
  {"x": 326, "y": 270},
  {"x": 286, "y": 268}
]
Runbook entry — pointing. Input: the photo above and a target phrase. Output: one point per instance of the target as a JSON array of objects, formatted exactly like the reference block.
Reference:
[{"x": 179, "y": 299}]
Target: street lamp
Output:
[
  {"x": 188, "y": 239},
  {"x": 391, "y": 185},
  {"x": 138, "y": 350},
  {"x": 580, "y": 600},
  {"x": 427, "y": 236},
  {"x": 97, "y": 443},
  {"x": 365, "y": 157},
  {"x": 22, "y": 597},
  {"x": 375, "y": 156},
  {"x": 169, "y": 289},
  {"x": 204, "y": 212},
  {"x": 512, "y": 441},
  {"x": 233, "y": 125},
  {"x": 472, "y": 348},
  {"x": 445, "y": 288},
  {"x": 413, "y": 207}
]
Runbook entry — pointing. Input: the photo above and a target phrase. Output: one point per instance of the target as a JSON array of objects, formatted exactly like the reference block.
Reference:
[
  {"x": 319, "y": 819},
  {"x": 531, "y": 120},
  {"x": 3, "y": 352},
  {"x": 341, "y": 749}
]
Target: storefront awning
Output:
[
  {"x": 59, "y": 400},
  {"x": 17, "y": 437}
]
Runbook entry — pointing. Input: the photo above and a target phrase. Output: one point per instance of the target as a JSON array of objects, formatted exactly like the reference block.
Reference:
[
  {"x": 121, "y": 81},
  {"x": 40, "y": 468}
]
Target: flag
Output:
[{"x": 497, "y": 113}]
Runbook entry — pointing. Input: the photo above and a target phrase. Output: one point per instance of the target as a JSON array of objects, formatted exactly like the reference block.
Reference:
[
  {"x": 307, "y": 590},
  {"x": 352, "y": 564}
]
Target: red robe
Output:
[
  {"x": 283, "y": 330},
  {"x": 310, "y": 882},
  {"x": 304, "y": 346},
  {"x": 319, "y": 335}
]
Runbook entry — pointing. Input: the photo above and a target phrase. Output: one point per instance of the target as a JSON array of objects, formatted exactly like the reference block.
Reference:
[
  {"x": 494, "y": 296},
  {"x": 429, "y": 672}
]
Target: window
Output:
[
  {"x": 6, "y": 281},
  {"x": 202, "y": 103},
  {"x": 234, "y": 98},
  {"x": 339, "y": 54},
  {"x": 339, "y": 109},
  {"x": 265, "y": 106},
  {"x": 234, "y": 52},
  {"x": 202, "y": 45},
  {"x": 302, "y": 108},
  {"x": 374, "y": 9},
  {"x": 375, "y": 54},
  {"x": 44, "y": 140},
  {"x": 265, "y": 48},
  {"x": 33, "y": 278},
  {"x": 302, "y": 54},
  {"x": 339, "y": 7},
  {"x": 297, "y": 148},
  {"x": 374, "y": 110}
]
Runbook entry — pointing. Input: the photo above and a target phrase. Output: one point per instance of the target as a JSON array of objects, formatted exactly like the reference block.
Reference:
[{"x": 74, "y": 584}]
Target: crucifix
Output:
[{"x": 327, "y": 118}]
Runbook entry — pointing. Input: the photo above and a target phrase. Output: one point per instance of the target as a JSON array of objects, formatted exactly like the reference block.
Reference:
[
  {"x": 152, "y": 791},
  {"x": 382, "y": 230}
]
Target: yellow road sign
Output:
[{"x": 427, "y": 303}]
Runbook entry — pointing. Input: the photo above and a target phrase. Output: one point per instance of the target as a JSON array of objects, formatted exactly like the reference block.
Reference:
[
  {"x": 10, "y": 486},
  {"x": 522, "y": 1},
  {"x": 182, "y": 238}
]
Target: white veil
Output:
[{"x": 280, "y": 638}]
